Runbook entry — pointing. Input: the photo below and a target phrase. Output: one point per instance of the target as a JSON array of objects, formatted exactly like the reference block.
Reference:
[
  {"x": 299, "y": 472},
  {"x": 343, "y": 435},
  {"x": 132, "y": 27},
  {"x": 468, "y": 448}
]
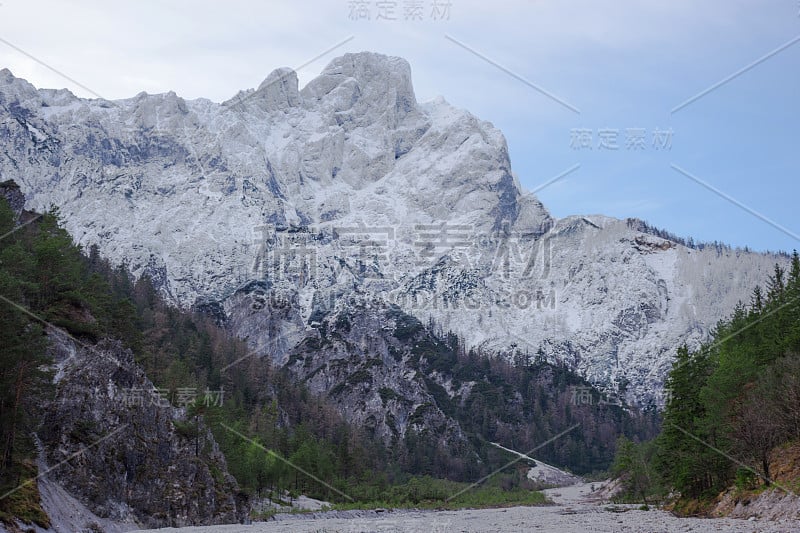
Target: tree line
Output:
[{"x": 731, "y": 403}]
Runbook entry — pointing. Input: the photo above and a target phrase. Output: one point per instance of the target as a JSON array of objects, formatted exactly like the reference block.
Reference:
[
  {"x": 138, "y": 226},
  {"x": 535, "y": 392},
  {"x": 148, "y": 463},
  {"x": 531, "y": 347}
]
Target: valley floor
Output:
[{"x": 574, "y": 511}]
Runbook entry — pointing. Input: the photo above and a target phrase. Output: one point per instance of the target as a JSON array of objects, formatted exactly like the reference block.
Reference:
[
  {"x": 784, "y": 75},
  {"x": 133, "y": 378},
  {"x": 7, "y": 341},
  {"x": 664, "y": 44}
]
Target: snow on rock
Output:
[{"x": 349, "y": 187}]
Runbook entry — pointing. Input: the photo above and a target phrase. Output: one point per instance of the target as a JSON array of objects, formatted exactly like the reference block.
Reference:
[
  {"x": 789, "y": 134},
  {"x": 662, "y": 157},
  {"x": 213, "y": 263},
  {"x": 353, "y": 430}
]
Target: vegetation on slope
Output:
[
  {"x": 46, "y": 279},
  {"x": 732, "y": 404}
]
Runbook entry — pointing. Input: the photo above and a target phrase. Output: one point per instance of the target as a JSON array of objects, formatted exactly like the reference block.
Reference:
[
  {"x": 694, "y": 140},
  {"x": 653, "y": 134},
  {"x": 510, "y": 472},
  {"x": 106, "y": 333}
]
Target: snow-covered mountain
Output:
[{"x": 281, "y": 204}]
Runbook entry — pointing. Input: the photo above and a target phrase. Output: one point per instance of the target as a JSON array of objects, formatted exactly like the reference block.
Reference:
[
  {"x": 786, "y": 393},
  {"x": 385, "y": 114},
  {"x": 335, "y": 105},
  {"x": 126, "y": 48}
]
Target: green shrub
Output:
[{"x": 745, "y": 479}]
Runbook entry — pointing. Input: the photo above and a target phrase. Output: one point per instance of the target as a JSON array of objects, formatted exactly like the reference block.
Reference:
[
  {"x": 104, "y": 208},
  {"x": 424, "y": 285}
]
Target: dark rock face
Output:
[
  {"x": 369, "y": 363},
  {"x": 127, "y": 454},
  {"x": 13, "y": 195}
]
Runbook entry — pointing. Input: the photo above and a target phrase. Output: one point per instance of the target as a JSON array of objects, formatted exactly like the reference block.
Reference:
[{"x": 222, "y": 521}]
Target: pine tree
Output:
[
  {"x": 23, "y": 375},
  {"x": 681, "y": 460}
]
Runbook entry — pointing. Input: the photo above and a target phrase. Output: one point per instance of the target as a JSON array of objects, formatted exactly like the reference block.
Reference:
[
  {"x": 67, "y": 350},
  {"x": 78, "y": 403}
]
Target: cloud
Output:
[{"x": 213, "y": 49}]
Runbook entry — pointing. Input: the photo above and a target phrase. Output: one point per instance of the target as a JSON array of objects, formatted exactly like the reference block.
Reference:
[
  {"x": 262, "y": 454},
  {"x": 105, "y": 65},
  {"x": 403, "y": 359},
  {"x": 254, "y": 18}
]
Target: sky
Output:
[{"x": 683, "y": 115}]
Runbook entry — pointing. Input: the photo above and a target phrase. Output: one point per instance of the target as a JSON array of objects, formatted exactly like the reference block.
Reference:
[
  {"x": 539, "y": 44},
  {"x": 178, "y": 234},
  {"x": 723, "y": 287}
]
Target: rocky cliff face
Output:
[
  {"x": 283, "y": 203},
  {"x": 370, "y": 365},
  {"x": 124, "y": 452}
]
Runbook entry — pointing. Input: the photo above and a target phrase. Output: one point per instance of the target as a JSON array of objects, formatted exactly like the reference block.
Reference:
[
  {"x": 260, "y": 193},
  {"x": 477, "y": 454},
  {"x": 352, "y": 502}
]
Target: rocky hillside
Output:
[
  {"x": 87, "y": 438},
  {"x": 124, "y": 451},
  {"x": 349, "y": 187}
]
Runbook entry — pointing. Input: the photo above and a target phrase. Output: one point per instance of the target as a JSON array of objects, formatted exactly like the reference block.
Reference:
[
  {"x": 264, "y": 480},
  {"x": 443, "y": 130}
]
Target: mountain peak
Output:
[
  {"x": 19, "y": 87},
  {"x": 368, "y": 63},
  {"x": 280, "y": 89},
  {"x": 384, "y": 81}
]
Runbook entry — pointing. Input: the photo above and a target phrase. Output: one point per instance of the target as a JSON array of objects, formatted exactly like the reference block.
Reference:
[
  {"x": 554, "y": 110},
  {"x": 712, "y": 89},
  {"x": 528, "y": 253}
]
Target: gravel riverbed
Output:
[{"x": 574, "y": 511}]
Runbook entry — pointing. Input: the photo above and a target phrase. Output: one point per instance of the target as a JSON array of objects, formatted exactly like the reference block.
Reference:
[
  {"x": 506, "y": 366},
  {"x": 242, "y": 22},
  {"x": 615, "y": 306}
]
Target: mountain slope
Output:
[{"x": 283, "y": 203}]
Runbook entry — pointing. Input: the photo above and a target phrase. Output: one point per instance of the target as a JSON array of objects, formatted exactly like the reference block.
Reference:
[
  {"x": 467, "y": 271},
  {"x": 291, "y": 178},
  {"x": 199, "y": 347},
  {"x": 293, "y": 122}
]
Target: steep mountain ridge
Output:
[{"x": 284, "y": 203}]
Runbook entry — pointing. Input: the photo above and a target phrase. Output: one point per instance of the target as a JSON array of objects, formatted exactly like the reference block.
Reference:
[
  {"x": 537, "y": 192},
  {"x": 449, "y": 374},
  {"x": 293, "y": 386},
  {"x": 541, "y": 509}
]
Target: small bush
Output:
[{"x": 745, "y": 479}]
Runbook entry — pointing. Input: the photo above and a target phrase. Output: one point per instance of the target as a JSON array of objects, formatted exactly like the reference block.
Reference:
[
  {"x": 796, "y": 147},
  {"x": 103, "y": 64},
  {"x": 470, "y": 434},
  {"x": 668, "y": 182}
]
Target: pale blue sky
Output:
[{"x": 625, "y": 65}]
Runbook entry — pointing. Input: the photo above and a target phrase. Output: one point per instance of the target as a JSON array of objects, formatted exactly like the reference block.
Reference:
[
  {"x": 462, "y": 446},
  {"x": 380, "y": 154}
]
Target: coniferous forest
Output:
[{"x": 733, "y": 408}]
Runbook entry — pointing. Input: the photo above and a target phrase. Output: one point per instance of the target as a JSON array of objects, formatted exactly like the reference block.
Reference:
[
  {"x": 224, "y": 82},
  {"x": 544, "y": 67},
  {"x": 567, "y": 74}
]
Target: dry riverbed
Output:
[{"x": 574, "y": 511}]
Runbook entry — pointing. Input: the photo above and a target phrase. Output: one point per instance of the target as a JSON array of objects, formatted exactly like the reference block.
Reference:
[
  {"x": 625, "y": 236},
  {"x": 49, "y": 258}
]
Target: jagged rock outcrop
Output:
[
  {"x": 369, "y": 365},
  {"x": 123, "y": 451}
]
